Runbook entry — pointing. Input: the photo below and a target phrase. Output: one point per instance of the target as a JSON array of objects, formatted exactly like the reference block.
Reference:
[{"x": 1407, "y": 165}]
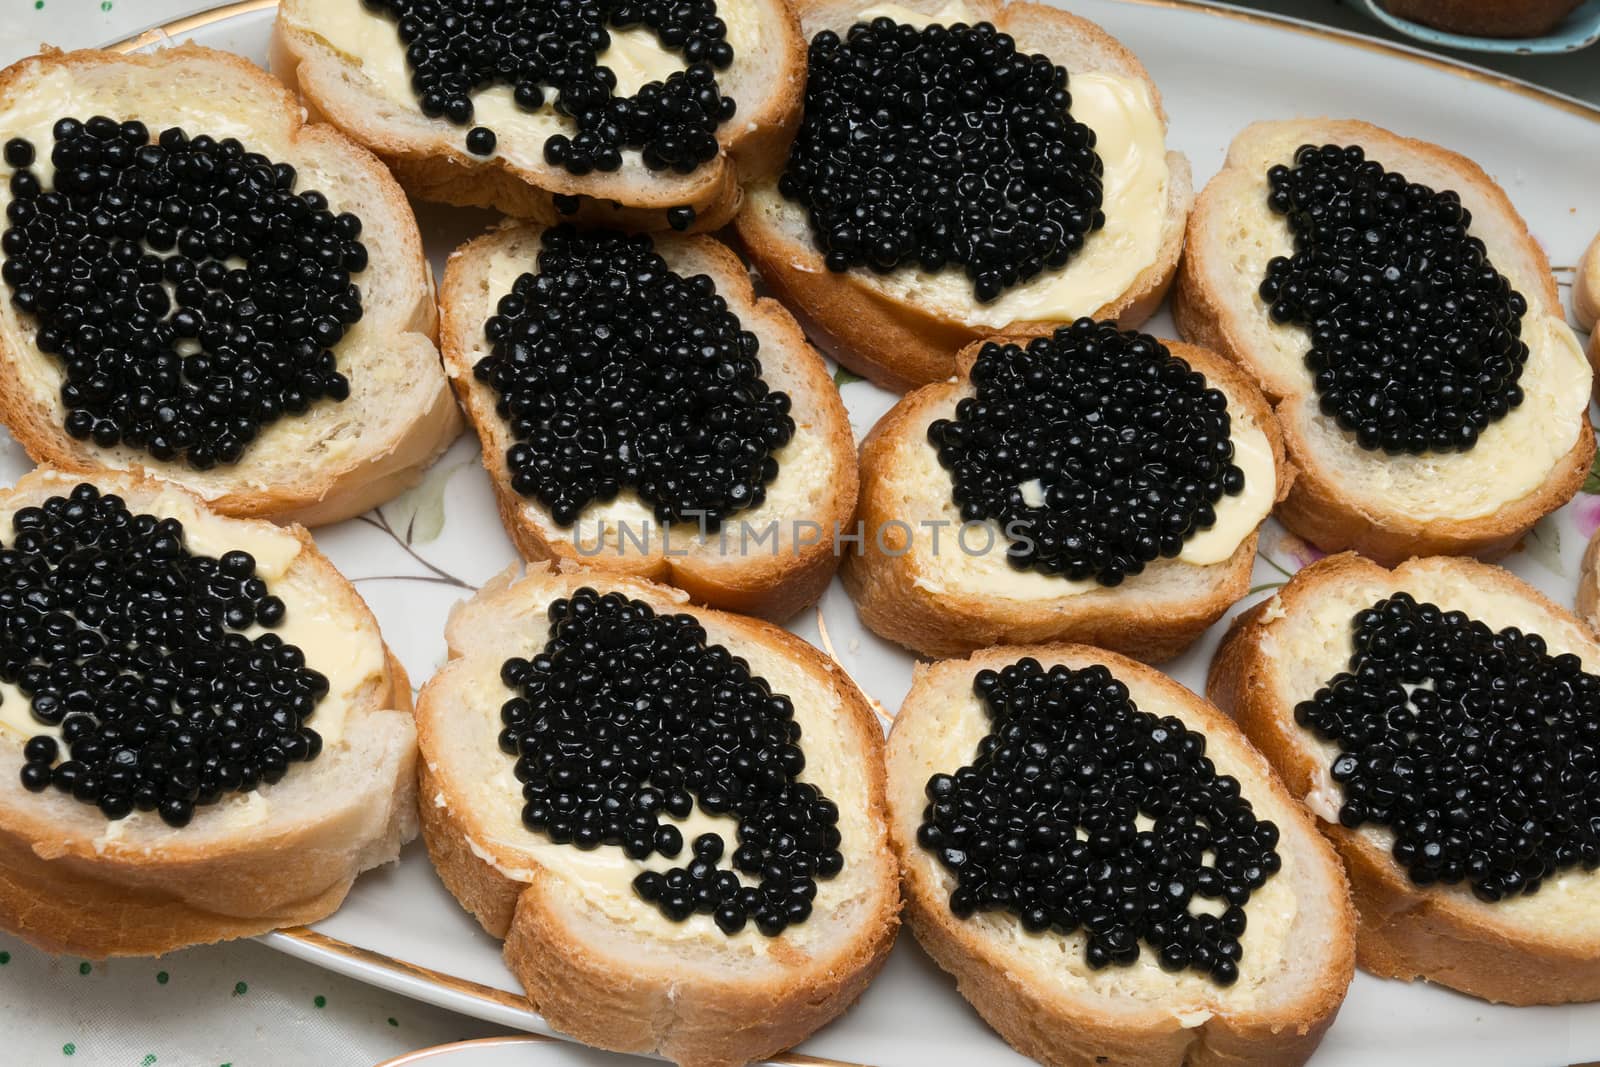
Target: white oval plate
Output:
[{"x": 1218, "y": 69}]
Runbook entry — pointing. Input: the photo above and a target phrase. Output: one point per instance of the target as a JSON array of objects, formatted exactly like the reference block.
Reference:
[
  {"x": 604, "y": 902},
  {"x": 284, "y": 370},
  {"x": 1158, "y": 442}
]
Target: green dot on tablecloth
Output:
[
  {"x": 5, "y": 958},
  {"x": 320, "y": 1001},
  {"x": 85, "y": 967},
  {"x": 240, "y": 989},
  {"x": 69, "y": 1048},
  {"x": 393, "y": 1021},
  {"x": 150, "y": 1057}
]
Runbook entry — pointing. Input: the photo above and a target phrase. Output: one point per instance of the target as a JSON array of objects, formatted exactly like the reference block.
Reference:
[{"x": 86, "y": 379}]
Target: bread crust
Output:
[
  {"x": 646, "y": 999},
  {"x": 437, "y": 166},
  {"x": 886, "y": 584},
  {"x": 1407, "y": 932},
  {"x": 1588, "y": 596},
  {"x": 388, "y": 459},
  {"x": 1076, "y": 1027},
  {"x": 899, "y": 345},
  {"x": 69, "y": 892},
  {"x": 1317, "y": 508},
  {"x": 1586, "y": 299},
  {"x": 773, "y": 586}
]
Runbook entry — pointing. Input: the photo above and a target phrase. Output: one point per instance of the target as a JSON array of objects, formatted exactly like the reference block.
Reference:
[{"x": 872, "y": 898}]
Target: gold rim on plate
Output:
[
  {"x": 502, "y": 998},
  {"x": 409, "y": 1058}
]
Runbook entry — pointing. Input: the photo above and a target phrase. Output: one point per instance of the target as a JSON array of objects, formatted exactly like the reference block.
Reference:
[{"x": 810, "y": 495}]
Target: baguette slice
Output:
[
  {"x": 1542, "y": 948},
  {"x": 1586, "y": 298},
  {"x": 338, "y": 459},
  {"x": 904, "y": 587},
  {"x": 1038, "y": 991},
  {"x": 73, "y": 882},
  {"x": 1388, "y": 507},
  {"x": 903, "y": 343},
  {"x": 429, "y": 156},
  {"x": 816, "y": 480},
  {"x": 597, "y": 962},
  {"x": 1588, "y": 598}
]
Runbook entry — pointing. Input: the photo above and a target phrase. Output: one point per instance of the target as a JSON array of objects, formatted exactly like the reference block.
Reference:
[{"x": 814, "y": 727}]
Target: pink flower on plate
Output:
[
  {"x": 1586, "y": 515},
  {"x": 1288, "y": 553}
]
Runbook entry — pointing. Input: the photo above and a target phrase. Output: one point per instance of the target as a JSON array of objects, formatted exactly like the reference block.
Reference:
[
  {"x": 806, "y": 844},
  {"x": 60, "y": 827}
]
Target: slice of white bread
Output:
[
  {"x": 596, "y": 961},
  {"x": 338, "y": 459},
  {"x": 1038, "y": 991},
  {"x": 816, "y": 482},
  {"x": 74, "y": 882},
  {"x": 1480, "y": 502},
  {"x": 368, "y": 96},
  {"x": 1586, "y": 298},
  {"x": 904, "y": 329},
  {"x": 939, "y": 599},
  {"x": 1542, "y": 948}
]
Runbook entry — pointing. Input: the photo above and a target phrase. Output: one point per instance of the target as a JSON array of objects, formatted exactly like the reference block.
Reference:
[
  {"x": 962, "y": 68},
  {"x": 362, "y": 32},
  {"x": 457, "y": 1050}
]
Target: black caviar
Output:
[
  {"x": 1128, "y": 445},
  {"x": 615, "y": 372},
  {"x": 132, "y": 646},
  {"x": 625, "y": 715},
  {"x": 549, "y": 48},
  {"x": 189, "y": 294},
  {"x": 1044, "y": 823},
  {"x": 941, "y": 146},
  {"x": 1415, "y": 337},
  {"x": 1476, "y": 747}
]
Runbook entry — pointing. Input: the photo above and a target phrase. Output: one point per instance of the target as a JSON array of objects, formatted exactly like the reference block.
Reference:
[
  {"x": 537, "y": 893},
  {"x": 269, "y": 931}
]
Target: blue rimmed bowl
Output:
[{"x": 1579, "y": 30}]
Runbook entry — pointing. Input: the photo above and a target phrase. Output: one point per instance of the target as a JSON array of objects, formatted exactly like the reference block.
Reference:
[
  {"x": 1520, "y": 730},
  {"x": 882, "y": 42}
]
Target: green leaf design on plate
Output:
[
  {"x": 844, "y": 376},
  {"x": 1544, "y": 544},
  {"x": 419, "y": 511},
  {"x": 1591, "y": 484}
]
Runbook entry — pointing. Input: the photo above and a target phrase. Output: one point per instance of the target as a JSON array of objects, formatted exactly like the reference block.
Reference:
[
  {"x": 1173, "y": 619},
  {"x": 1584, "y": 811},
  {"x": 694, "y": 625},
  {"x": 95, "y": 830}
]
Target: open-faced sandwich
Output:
[
  {"x": 674, "y": 817},
  {"x": 196, "y": 284},
  {"x": 202, "y": 734},
  {"x": 641, "y": 115},
  {"x": 964, "y": 171},
  {"x": 1095, "y": 485},
  {"x": 1110, "y": 872},
  {"x": 1406, "y": 325}
]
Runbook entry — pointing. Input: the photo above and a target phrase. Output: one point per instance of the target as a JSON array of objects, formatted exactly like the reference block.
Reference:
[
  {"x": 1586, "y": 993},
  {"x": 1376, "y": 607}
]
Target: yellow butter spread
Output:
[
  {"x": 635, "y": 56},
  {"x": 312, "y": 621}
]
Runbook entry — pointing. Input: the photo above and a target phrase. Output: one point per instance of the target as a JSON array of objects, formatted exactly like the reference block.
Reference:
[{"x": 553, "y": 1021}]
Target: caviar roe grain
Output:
[
  {"x": 1415, "y": 337},
  {"x": 135, "y": 650},
  {"x": 548, "y": 52},
  {"x": 625, "y": 716},
  {"x": 1045, "y": 824},
  {"x": 942, "y": 146},
  {"x": 615, "y": 372},
  {"x": 1475, "y": 747},
  {"x": 1129, "y": 448},
  {"x": 189, "y": 294}
]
